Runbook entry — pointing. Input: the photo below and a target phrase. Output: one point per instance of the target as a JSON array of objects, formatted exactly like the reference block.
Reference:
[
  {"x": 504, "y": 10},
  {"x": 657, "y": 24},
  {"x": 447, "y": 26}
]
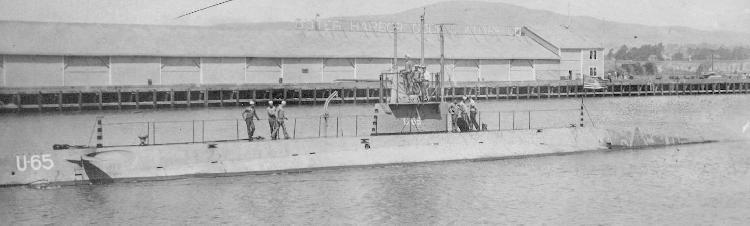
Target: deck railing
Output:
[{"x": 201, "y": 131}]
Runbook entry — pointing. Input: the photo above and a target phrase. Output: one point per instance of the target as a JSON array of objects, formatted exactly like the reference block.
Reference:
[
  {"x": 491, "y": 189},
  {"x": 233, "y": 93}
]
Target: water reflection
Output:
[{"x": 701, "y": 184}]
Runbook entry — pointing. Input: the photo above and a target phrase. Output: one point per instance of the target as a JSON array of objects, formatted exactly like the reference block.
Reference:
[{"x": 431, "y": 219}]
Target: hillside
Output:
[{"x": 610, "y": 34}]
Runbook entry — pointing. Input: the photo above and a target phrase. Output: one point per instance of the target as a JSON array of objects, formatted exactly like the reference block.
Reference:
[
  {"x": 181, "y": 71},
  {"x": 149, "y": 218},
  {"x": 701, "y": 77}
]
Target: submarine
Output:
[{"x": 412, "y": 125}]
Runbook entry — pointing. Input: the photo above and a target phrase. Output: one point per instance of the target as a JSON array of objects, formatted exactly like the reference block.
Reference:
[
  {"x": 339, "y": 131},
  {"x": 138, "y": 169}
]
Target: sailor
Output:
[
  {"x": 248, "y": 114},
  {"x": 271, "y": 111},
  {"x": 464, "y": 114},
  {"x": 280, "y": 118},
  {"x": 454, "y": 111},
  {"x": 473, "y": 114},
  {"x": 425, "y": 83}
]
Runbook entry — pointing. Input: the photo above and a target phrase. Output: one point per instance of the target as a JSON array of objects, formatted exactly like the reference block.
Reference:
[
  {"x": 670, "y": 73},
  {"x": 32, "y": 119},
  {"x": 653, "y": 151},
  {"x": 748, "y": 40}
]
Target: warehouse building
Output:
[{"x": 66, "y": 54}]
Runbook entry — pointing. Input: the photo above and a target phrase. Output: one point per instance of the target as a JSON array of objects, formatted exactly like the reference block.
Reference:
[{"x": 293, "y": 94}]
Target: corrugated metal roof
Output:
[
  {"x": 565, "y": 38},
  {"x": 33, "y": 38}
]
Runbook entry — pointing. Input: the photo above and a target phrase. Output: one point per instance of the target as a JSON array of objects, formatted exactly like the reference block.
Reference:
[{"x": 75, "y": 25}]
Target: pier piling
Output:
[
  {"x": 171, "y": 98},
  {"x": 127, "y": 97},
  {"x": 205, "y": 97},
  {"x": 60, "y": 101},
  {"x": 137, "y": 99},
  {"x": 80, "y": 100},
  {"x": 153, "y": 98},
  {"x": 39, "y": 101},
  {"x": 119, "y": 100},
  {"x": 100, "y": 95},
  {"x": 315, "y": 96}
]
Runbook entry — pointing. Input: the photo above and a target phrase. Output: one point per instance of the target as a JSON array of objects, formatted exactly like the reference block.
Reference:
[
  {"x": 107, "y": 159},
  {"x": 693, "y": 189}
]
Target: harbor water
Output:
[{"x": 696, "y": 184}]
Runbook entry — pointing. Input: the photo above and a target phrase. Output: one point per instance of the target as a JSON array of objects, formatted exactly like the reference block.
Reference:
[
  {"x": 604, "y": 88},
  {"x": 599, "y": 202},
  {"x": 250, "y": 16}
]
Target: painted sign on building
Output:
[{"x": 387, "y": 27}]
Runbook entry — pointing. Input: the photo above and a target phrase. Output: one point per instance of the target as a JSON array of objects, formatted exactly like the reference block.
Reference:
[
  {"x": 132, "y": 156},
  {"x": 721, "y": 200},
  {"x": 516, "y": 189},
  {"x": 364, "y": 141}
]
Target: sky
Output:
[{"x": 700, "y": 14}]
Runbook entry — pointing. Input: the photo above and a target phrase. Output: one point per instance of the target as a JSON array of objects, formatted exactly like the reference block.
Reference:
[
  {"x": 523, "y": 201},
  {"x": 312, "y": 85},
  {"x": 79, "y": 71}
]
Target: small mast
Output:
[
  {"x": 442, "y": 64},
  {"x": 441, "y": 78},
  {"x": 395, "y": 47},
  {"x": 421, "y": 20}
]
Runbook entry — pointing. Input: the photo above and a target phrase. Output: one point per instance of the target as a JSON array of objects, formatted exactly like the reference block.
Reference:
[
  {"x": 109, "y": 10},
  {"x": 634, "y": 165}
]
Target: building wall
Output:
[
  {"x": 24, "y": 71},
  {"x": 180, "y": 70},
  {"x": 303, "y": 70},
  {"x": 135, "y": 70},
  {"x": 465, "y": 70},
  {"x": 521, "y": 70},
  {"x": 338, "y": 69},
  {"x": 433, "y": 67},
  {"x": 590, "y": 60},
  {"x": 86, "y": 71},
  {"x": 223, "y": 70},
  {"x": 547, "y": 69},
  {"x": 263, "y": 70},
  {"x": 570, "y": 63},
  {"x": 579, "y": 61},
  {"x": 494, "y": 70},
  {"x": 370, "y": 68},
  {"x": 125, "y": 70}
]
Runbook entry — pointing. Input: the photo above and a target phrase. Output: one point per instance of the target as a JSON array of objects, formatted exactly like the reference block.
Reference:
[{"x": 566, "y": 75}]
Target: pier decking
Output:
[{"x": 39, "y": 99}]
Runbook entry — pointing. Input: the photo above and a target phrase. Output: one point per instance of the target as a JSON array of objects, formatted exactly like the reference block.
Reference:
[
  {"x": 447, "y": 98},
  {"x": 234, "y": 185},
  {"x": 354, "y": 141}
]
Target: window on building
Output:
[
  {"x": 592, "y": 71},
  {"x": 305, "y": 70},
  {"x": 592, "y": 55}
]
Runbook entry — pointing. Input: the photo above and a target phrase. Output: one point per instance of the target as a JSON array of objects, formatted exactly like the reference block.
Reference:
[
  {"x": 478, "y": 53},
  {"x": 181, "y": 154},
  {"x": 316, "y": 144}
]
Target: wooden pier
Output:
[{"x": 39, "y": 99}]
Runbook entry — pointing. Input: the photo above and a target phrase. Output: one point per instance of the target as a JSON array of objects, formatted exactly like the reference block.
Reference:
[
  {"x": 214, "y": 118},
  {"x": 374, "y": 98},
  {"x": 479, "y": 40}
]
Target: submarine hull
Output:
[{"x": 158, "y": 162}]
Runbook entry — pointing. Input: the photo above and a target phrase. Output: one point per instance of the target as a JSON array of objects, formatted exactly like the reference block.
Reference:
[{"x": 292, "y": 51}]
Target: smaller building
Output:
[{"x": 579, "y": 56}]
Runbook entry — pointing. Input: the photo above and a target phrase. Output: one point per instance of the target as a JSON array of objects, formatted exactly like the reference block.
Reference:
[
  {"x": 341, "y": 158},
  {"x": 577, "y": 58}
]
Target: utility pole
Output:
[
  {"x": 395, "y": 48},
  {"x": 421, "y": 19},
  {"x": 442, "y": 64},
  {"x": 395, "y": 61},
  {"x": 441, "y": 78}
]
